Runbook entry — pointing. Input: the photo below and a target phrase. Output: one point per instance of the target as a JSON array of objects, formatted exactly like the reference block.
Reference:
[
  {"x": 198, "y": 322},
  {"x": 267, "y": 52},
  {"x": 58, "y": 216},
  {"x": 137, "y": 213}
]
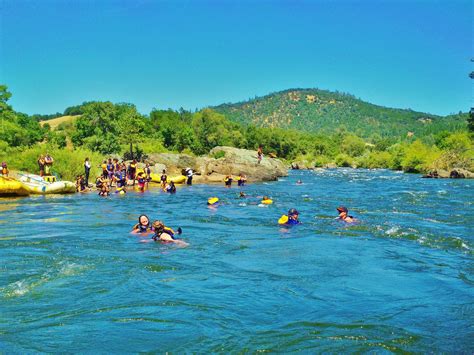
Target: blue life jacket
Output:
[{"x": 292, "y": 222}]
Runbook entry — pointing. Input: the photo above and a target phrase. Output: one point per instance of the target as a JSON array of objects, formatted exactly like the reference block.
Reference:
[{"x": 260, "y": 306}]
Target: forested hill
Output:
[{"x": 324, "y": 111}]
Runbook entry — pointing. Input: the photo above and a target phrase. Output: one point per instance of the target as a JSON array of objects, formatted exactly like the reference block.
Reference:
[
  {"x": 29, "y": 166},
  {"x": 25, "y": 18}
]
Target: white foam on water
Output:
[{"x": 392, "y": 231}]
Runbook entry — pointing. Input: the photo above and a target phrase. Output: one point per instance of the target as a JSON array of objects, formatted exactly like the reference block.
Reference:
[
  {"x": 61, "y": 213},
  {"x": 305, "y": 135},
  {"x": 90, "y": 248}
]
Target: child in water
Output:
[
  {"x": 165, "y": 234},
  {"x": 143, "y": 226}
]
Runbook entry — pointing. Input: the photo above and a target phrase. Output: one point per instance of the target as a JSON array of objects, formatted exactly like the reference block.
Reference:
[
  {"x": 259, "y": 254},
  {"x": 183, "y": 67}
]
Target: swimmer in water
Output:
[
  {"x": 343, "y": 216},
  {"x": 299, "y": 182},
  {"x": 291, "y": 219},
  {"x": 143, "y": 226},
  {"x": 165, "y": 234}
]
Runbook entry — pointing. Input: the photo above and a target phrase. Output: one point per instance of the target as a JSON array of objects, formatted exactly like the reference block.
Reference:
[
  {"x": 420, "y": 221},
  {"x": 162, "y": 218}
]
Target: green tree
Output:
[{"x": 353, "y": 145}]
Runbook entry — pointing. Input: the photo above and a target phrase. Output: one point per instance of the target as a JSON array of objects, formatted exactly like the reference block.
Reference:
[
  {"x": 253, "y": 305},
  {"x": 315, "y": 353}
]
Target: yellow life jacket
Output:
[
  {"x": 283, "y": 219},
  {"x": 212, "y": 200}
]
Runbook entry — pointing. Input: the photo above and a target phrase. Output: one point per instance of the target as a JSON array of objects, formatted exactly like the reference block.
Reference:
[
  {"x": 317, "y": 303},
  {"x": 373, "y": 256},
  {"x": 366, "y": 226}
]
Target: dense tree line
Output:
[
  {"x": 108, "y": 128},
  {"x": 323, "y": 111}
]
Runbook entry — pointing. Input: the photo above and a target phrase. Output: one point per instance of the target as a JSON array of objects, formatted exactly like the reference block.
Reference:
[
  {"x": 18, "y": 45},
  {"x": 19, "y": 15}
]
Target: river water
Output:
[{"x": 73, "y": 279}]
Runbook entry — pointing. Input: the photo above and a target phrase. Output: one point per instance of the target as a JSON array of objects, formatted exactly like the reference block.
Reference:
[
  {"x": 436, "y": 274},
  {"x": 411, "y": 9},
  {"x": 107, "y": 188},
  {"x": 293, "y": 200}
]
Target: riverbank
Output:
[{"x": 209, "y": 169}]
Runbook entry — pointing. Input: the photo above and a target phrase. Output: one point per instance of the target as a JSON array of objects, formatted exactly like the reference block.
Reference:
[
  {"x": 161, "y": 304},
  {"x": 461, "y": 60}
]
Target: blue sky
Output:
[{"x": 408, "y": 54}]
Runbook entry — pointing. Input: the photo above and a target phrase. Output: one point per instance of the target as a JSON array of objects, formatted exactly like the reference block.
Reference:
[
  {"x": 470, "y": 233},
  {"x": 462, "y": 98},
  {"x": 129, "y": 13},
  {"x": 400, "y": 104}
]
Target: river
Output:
[{"x": 73, "y": 279}]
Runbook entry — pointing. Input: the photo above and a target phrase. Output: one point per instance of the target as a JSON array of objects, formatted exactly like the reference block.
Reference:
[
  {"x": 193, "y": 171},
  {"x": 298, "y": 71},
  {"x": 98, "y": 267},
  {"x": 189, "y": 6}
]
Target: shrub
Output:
[
  {"x": 419, "y": 157},
  {"x": 343, "y": 160},
  {"x": 219, "y": 154},
  {"x": 352, "y": 145},
  {"x": 321, "y": 161},
  {"x": 376, "y": 159},
  {"x": 68, "y": 163}
]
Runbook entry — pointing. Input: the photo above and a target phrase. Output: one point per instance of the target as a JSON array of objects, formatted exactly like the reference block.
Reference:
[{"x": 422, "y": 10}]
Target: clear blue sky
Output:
[{"x": 409, "y": 54}]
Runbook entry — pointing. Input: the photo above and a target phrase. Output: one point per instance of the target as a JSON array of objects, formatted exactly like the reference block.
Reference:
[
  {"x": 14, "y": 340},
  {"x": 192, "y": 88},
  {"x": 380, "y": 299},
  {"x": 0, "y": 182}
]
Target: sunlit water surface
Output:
[{"x": 73, "y": 279}]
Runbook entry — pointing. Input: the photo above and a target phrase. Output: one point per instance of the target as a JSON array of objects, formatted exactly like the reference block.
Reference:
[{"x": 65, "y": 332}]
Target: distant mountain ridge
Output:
[{"x": 323, "y": 111}]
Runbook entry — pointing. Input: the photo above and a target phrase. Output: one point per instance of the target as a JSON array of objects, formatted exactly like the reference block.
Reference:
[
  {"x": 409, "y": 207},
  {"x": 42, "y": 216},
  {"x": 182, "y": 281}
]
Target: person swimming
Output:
[
  {"x": 343, "y": 215},
  {"x": 165, "y": 234},
  {"x": 212, "y": 201},
  {"x": 291, "y": 219},
  {"x": 143, "y": 226},
  {"x": 299, "y": 182}
]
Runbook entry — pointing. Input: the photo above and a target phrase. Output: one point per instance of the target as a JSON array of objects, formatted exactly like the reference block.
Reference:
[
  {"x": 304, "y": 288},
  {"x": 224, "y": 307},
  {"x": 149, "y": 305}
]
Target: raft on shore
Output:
[
  {"x": 58, "y": 187},
  {"x": 22, "y": 184},
  {"x": 37, "y": 185},
  {"x": 12, "y": 187}
]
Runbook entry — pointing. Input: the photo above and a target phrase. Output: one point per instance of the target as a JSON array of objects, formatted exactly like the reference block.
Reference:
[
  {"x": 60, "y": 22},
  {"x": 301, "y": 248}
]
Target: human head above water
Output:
[
  {"x": 342, "y": 209},
  {"x": 143, "y": 220},
  {"x": 293, "y": 212},
  {"x": 158, "y": 226}
]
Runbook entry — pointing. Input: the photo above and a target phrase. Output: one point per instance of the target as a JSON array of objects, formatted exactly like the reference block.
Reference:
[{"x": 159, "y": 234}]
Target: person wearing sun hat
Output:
[{"x": 343, "y": 215}]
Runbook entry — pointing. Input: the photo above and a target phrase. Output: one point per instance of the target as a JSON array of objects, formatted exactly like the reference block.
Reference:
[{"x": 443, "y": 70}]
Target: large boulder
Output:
[
  {"x": 459, "y": 173},
  {"x": 173, "y": 162},
  {"x": 221, "y": 161},
  {"x": 157, "y": 168},
  {"x": 234, "y": 161},
  {"x": 456, "y": 173}
]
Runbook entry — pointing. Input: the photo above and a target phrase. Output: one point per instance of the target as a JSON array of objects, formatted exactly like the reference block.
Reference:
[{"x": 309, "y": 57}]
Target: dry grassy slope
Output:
[{"x": 55, "y": 122}]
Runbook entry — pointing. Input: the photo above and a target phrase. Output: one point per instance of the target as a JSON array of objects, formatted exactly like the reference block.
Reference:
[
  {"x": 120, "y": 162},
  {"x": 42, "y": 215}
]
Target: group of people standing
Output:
[
  {"x": 121, "y": 175},
  {"x": 45, "y": 163},
  {"x": 241, "y": 180},
  {"x": 114, "y": 173}
]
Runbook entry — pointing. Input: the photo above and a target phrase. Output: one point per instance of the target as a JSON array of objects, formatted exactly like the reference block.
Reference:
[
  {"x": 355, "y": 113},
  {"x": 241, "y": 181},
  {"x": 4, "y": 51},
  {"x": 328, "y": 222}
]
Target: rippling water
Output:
[{"x": 73, "y": 279}]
